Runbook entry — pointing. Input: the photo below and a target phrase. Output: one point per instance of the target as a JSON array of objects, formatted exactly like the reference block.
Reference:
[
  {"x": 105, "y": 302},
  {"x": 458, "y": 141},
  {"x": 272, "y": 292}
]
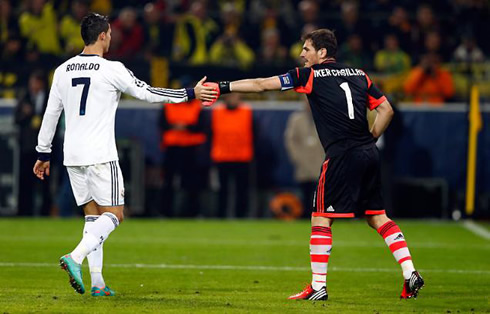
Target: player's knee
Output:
[
  {"x": 376, "y": 221},
  {"x": 120, "y": 216},
  {"x": 321, "y": 221}
]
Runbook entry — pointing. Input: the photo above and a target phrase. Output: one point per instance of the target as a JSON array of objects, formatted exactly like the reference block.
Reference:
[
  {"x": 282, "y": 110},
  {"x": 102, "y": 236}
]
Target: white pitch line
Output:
[
  {"x": 255, "y": 267},
  {"x": 477, "y": 229},
  {"x": 378, "y": 243}
]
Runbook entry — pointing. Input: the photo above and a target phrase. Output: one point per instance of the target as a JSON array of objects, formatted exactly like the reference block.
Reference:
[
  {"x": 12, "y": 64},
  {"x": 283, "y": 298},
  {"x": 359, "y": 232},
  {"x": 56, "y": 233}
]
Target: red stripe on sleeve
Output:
[
  {"x": 368, "y": 80},
  {"x": 373, "y": 102},
  {"x": 309, "y": 85}
]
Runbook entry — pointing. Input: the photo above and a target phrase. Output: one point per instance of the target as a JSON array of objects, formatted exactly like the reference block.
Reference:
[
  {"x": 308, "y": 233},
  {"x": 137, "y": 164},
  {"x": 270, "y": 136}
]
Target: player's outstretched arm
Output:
[
  {"x": 383, "y": 118},
  {"x": 256, "y": 85},
  {"x": 125, "y": 81}
]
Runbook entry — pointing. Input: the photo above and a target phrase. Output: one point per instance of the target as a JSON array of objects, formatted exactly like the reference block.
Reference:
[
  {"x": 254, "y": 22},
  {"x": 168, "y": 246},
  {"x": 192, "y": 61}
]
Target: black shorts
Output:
[{"x": 350, "y": 185}]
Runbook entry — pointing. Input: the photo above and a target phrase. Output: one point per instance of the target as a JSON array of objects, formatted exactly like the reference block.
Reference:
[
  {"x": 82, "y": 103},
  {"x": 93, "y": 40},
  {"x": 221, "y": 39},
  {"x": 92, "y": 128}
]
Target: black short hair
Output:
[
  {"x": 92, "y": 25},
  {"x": 323, "y": 38}
]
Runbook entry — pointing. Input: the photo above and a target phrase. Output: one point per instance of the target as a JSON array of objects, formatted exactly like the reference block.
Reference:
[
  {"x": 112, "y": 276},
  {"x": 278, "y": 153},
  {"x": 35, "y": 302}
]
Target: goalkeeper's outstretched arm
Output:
[{"x": 256, "y": 85}]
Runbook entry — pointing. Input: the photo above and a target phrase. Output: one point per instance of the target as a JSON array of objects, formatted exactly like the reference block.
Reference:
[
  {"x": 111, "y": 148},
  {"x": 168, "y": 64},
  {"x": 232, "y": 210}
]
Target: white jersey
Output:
[{"x": 88, "y": 88}]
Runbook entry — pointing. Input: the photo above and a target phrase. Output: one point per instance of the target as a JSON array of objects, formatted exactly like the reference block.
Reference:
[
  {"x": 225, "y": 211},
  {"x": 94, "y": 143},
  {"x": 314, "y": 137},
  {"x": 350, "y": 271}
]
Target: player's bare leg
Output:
[
  {"x": 320, "y": 248},
  {"x": 93, "y": 237},
  {"x": 395, "y": 240}
]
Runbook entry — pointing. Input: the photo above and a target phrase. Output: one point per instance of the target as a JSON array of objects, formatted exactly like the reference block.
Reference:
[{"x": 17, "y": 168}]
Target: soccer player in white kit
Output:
[{"x": 88, "y": 87}]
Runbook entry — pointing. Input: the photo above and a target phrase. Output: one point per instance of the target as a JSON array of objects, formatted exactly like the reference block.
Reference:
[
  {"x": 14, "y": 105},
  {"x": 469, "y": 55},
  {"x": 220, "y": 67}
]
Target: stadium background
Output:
[{"x": 174, "y": 43}]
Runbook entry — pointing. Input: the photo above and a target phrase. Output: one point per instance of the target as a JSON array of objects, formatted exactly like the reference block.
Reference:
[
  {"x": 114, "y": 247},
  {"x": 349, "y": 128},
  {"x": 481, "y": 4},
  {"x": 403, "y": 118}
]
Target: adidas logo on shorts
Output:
[{"x": 330, "y": 209}]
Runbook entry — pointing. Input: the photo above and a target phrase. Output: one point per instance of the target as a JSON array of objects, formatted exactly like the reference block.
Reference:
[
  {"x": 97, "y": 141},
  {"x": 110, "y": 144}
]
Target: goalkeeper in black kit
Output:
[{"x": 349, "y": 183}]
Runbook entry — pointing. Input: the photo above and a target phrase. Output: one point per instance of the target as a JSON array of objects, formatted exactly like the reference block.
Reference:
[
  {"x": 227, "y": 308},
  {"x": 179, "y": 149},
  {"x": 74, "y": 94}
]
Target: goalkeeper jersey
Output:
[{"x": 88, "y": 89}]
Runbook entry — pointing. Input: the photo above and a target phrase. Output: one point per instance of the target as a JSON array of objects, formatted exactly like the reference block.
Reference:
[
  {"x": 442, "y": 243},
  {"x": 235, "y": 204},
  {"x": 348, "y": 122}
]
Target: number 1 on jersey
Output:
[
  {"x": 348, "y": 96},
  {"x": 85, "y": 81}
]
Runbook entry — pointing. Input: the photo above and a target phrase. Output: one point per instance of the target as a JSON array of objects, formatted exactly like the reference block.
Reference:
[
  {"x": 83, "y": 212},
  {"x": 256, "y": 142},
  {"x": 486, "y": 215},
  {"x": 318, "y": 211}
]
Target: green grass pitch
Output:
[{"x": 208, "y": 266}]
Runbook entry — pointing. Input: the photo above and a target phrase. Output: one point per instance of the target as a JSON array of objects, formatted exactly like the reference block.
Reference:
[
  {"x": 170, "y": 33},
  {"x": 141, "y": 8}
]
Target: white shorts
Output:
[{"x": 102, "y": 183}]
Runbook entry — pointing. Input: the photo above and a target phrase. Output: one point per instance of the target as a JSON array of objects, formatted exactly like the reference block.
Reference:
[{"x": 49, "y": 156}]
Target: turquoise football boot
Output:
[
  {"x": 104, "y": 292},
  {"x": 74, "y": 271}
]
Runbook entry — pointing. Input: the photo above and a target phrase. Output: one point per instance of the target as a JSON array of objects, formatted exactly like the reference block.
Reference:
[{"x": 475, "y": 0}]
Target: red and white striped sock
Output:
[
  {"x": 320, "y": 248},
  {"x": 395, "y": 240}
]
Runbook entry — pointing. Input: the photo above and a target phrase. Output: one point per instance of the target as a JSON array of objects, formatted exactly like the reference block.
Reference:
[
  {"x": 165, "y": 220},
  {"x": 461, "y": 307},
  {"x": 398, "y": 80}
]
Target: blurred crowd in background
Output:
[
  {"x": 424, "y": 53},
  {"x": 420, "y": 51}
]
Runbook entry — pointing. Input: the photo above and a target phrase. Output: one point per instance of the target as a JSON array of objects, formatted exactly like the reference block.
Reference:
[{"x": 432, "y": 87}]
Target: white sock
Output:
[
  {"x": 407, "y": 268},
  {"x": 95, "y": 236},
  {"x": 95, "y": 258}
]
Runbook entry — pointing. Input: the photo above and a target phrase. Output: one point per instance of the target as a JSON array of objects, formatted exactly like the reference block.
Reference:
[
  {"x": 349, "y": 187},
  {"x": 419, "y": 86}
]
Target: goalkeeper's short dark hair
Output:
[
  {"x": 92, "y": 25},
  {"x": 323, "y": 38}
]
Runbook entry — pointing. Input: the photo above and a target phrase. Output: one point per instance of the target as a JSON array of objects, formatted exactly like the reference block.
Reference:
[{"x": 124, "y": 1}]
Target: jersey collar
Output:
[
  {"x": 329, "y": 61},
  {"x": 88, "y": 55}
]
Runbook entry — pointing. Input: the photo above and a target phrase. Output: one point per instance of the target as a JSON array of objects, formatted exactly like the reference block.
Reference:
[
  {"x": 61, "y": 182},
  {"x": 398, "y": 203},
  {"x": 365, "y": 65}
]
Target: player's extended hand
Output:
[
  {"x": 205, "y": 92},
  {"x": 41, "y": 168}
]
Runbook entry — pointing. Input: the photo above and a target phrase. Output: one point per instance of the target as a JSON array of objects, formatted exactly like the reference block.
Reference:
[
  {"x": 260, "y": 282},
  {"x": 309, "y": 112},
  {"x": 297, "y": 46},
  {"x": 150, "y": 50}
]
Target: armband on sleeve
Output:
[{"x": 286, "y": 81}]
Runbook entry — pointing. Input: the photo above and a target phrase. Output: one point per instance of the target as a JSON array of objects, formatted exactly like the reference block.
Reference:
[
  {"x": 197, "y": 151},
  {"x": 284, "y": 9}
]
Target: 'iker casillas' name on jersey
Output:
[
  {"x": 82, "y": 66},
  {"x": 340, "y": 72}
]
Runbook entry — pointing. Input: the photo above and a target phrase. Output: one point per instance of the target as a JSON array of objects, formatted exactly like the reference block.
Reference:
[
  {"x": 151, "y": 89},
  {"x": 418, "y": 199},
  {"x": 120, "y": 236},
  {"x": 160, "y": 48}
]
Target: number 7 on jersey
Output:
[{"x": 85, "y": 81}]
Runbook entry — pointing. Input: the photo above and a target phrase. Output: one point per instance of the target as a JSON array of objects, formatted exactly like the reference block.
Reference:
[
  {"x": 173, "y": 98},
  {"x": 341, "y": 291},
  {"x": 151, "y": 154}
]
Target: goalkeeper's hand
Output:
[
  {"x": 215, "y": 88},
  {"x": 205, "y": 92}
]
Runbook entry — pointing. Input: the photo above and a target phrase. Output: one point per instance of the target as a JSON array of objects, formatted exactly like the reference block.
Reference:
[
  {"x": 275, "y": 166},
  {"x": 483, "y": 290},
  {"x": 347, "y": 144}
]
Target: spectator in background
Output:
[
  {"x": 194, "y": 34},
  {"x": 268, "y": 14},
  {"x": 433, "y": 44},
  {"x": 38, "y": 25},
  {"x": 308, "y": 12},
  {"x": 230, "y": 19},
  {"x": 425, "y": 22},
  {"x": 157, "y": 30},
  {"x": 70, "y": 27},
  {"x": 230, "y": 50},
  {"x": 271, "y": 50},
  {"x": 28, "y": 115},
  {"x": 127, "y": 35},
  {"x": 182, "y": 126},
  {"x": 351, "y": 24},
  {"x": 232, "y": 150},
  {"x": 8, "y": 23},
  {"x": 305, "y": 152},
  {"x": 400, "y": 25},
  {"x": 472, "y": 17},
  {"x": 429, "y": 83},
  {"x": 103, "y": 7},
  {"x": 297, "y": 47},
  {"x": 13, "y": 69},
  {"x": 353, "y": 53},
  {"x": 468, "y": 51},
  {"x": 391, "y": 60}
]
